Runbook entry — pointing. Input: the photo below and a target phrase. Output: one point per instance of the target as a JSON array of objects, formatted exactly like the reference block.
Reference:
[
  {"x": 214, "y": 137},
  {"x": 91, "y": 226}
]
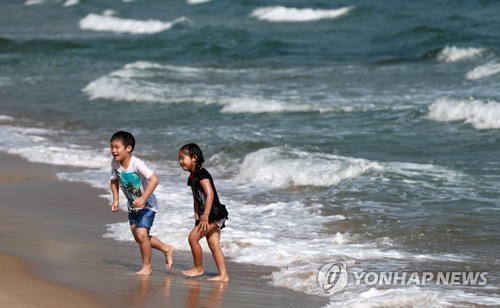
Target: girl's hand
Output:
[
  {"x": 203, "y": 223},
  {"x": 114, "y": 206}
]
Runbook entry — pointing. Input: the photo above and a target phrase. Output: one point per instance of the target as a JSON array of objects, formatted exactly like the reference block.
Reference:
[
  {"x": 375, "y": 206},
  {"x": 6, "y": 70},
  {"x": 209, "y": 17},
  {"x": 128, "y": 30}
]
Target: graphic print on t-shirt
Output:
[{"x": 131, "y": 185}]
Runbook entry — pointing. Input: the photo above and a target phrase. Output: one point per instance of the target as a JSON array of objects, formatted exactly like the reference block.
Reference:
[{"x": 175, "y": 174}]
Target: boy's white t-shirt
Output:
[{"x": 133, "y": 181}]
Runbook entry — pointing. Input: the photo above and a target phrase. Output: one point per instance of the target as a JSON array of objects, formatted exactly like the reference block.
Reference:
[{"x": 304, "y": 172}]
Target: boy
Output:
[{"x": 138, "y": 183}]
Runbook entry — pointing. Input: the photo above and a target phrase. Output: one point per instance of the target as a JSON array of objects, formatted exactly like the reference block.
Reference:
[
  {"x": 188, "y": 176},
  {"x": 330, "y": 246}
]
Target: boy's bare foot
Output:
[
  {"x": 144, "y": 272},
  {"x": 193, "y": 272},
  {"x": 168, "y": 256},
  {"x": 222, "y": 278}
]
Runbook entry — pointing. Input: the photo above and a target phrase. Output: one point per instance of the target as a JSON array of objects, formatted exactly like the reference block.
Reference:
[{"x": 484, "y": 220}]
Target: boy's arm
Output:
[
  {"x": 114, "y": 190},
  {"x": 150, "y": 188},
  {"x": 209, "y": 193}
]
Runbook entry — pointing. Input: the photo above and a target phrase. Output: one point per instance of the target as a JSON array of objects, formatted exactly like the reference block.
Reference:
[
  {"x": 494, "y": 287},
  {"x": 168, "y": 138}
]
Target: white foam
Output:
[
  {"x": 261, "y": 105},
  {"x": 483, "y": 71},
  {"x": 109, "y": 12},
  {"x": 194, "y": 2},
  {"x": 414, "y": 296},
  {"x": 34, "y": 2},
  {"x": 481, "y": 115},
  {"x": 122, "y": 89},
  {"x": 455, "y": 54},
  {"x": 108, "y": 23},
  {"x": 394, "y": 297},
  {"x": 34, "y": 144},
  {"x": 6, "y": 118},
  {"x": 129, "y": 84},
  {"x": 68, "y": 3},
  {"x": 284, "y": 14},
  {"x": 283, "y": 167}
]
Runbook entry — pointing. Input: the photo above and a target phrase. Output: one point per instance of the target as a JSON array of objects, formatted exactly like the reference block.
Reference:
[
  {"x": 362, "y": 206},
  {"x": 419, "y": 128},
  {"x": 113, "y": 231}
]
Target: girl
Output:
[{"x": 209, "y": 213}]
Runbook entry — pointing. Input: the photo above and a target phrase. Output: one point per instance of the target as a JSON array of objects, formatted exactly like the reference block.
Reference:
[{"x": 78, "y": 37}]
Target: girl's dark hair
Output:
[
  {"x": 193, "y": 150},
  {"x": 125, "y": 138}
]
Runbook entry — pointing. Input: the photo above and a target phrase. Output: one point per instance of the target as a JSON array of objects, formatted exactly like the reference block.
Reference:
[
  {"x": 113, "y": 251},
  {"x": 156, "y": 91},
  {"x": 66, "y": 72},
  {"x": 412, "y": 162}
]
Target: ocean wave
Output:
[
  {"x": 481, "y": 115},
  {"x": 193, "y": 2},
  {"x": 71, "y": 2},
  {"x": 6, "y": 118},
  {"x": 260, "y": 105},
  {"x": 34, "y": 144},
  {"x": 284, "y": 167},
  {"x": 284, "y": 14},
  {"x": 482, "y": 71},
  {"x": 129, "y": 84},
  {"x": 455, "y": 54},
  {"x": 150, "y": 82},
  {"x": 97, "y": 22},
  {"x": 287, "y": 167},
  {"x": 66, "y": 3},
  {"x": 134, "y": 83},
  {"x": 393, "y": 297},
  {"x": 119, "y": 89},
  {"x": 36, "y": 2}
]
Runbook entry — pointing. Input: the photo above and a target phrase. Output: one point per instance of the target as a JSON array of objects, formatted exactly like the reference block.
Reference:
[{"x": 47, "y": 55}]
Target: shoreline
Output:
[{"x": 55, "y": 234}]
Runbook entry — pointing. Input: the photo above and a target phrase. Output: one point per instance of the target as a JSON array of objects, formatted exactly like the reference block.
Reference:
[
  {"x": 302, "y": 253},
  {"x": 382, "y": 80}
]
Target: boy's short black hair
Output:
[{"x": 125, "y": 138}]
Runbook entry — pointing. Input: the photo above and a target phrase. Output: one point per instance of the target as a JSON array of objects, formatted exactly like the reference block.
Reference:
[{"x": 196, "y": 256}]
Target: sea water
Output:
[{"x": 362, "y": 132}]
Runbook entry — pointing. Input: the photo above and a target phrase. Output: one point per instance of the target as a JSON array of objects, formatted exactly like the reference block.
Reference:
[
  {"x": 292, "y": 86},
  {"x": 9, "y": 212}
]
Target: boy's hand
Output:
[
  {"x": 139, "y": 203},
  {"x": 114, "y": 206}
]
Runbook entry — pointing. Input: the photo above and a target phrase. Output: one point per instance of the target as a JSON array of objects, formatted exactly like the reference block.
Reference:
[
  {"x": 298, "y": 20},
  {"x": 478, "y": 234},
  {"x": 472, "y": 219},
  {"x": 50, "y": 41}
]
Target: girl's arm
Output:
[
  {"x": 209, "y": 193},
  {"x": 114, "y": 190},
  {"x": 150, "y": 188}
]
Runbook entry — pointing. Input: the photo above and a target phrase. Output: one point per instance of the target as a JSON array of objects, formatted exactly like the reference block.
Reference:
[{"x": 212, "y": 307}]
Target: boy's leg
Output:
[
  {"x": 141, "y": 236},
  {"x": 196, "y": 250},
  {"x": 168, "y": 250},
  {"x": 213, "y": 240}
]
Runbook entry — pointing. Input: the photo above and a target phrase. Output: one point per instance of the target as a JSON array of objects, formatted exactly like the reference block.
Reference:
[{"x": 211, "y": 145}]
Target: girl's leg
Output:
[
  {"x": 196, "y": 250},
  {"x": 194, "y": 239},
  {"x": 141, "y": 236},
  {"x": 168, "y": 250},
  {"x": 213, "y": 240}
]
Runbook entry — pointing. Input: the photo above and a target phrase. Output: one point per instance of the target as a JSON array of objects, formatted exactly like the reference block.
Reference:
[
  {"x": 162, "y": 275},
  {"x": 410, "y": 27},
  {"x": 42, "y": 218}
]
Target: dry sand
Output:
[{"x": 52, "y": 254}]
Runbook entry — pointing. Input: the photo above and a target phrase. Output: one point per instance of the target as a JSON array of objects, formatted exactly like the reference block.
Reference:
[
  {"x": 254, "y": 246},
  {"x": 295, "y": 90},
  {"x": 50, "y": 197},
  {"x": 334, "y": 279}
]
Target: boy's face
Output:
[
  {"x": 120, "y": 152},
  {"x": 187, "y": 163}
]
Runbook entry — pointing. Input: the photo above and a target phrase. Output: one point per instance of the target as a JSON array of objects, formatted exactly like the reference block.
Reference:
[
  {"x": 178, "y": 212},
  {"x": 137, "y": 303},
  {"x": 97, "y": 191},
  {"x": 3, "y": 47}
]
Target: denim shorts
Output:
[{"x": 142, "y": 219}]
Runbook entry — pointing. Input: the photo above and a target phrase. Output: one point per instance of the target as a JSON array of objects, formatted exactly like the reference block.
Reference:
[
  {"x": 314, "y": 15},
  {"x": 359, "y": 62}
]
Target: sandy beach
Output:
[{"x": 53, "y": 254}]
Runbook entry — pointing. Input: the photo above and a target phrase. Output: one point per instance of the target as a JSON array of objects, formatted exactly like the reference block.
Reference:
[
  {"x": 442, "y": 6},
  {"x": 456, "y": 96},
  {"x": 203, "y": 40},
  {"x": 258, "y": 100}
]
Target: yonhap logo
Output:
[{"x": 333, "y": 278}]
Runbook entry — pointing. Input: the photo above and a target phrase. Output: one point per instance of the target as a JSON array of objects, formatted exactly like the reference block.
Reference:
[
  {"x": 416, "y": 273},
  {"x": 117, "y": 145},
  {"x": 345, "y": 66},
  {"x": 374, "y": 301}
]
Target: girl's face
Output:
[{"x": 187, "y": 163}]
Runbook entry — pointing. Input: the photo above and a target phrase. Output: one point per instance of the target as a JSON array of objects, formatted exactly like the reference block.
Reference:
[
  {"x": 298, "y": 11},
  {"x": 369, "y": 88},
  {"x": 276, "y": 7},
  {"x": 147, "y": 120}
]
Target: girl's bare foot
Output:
[
  {"x": 222, "y": 278},
  {"x": 193, "y": 272},
  {"x": 168, "y": 256},
  {"x": 144, "y": 272}
]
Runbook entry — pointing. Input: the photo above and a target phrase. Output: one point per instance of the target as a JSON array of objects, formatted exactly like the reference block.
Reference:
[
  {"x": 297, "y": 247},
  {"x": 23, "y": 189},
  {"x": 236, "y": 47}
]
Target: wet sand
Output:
[{"x": 52, "y": 253}]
